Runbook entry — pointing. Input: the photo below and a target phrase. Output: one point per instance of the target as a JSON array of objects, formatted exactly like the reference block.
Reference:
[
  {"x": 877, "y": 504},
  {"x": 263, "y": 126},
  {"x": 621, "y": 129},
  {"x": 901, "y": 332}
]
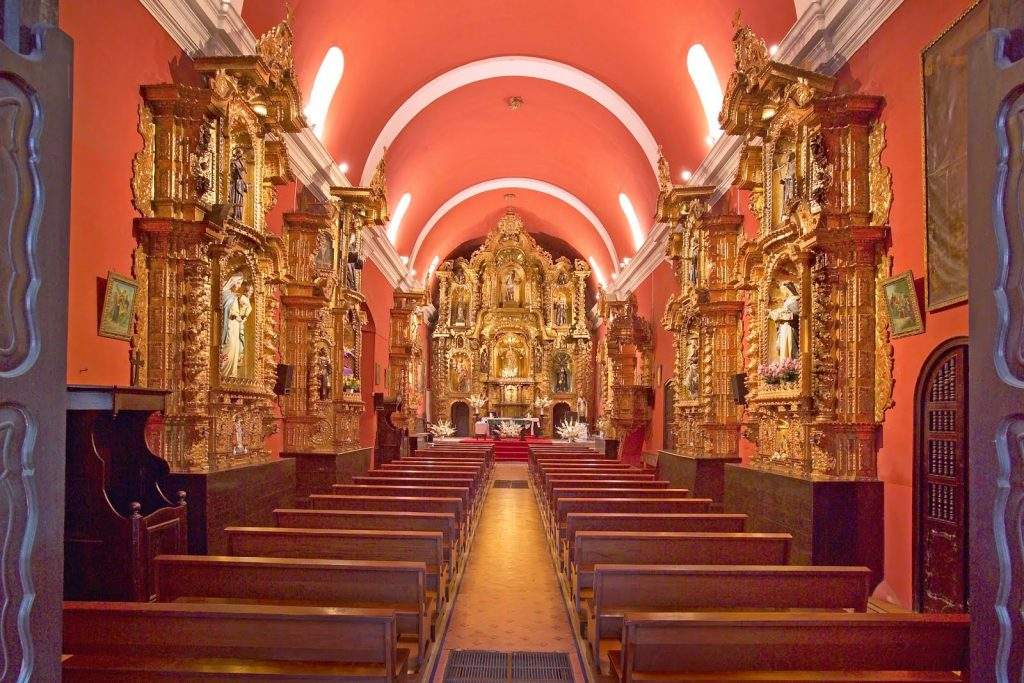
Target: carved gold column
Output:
[
  {"x": 405, "y": 361},
  {"x": 627, "y": 353}
]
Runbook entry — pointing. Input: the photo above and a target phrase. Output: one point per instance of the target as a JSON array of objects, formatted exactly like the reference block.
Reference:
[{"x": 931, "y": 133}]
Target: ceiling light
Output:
[
  {"x": 405, "y": 259},
  {"x": 397, "y": 215},
  {"x": 598, "y": 275},
  {"x": 702, "y": 73},
  {"x": 773, "y": 50},
  {"x": 632, "y": 219},
  {"x": 343, "y": 167},
  {"x": 328, "y": 76},
  {"x": 514, "y": 102},
  {"x": 686, "y": 175}
]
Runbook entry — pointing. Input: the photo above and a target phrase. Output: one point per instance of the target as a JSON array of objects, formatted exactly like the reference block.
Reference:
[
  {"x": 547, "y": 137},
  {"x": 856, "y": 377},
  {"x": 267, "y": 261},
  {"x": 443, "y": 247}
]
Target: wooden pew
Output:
[
  {"x": 386, "y": 520},
  {"x": 452, "y": 506},
  {"x": 475, "y": 482},
  {"x": 405, "y": 491},
  {"x": 581, "y": 481},
  {"x": 672, "y": 506},
  {"x": 622, "y": 588},
  {"x": 743, "y": 646},
  {"x": 347, "y": 544},
  {"x": 616, "y": 521},
  {"x": 142, "y": 642},
  {"x": 394, "y": 586},
  {"x": 420, "y": 482},
  {"x": 662, "y": 547}
]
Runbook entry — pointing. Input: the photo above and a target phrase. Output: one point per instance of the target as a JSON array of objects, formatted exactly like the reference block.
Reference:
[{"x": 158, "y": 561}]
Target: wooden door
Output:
[
  {"x": 995, "y": 211},
  {"x": 460, "y": 418},
  {"x": 35, "y": 137},
  {"x": 941, "y": 481}
]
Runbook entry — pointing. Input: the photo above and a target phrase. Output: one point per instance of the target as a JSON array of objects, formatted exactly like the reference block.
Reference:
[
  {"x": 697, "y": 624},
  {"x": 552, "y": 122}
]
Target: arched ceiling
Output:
[{"x": 563, "y": 135}]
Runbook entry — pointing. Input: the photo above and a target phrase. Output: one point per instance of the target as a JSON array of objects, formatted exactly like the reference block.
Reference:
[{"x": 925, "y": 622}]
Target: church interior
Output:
[{"x": 509, "y": 340}]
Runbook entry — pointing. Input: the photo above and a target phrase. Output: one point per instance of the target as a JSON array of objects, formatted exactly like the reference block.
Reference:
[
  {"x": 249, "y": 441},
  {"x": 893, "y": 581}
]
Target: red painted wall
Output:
[
  {"x": 379, "y": 300},
  {"x": 105, "y": 138},
  {"x": 889, "y": 64}
]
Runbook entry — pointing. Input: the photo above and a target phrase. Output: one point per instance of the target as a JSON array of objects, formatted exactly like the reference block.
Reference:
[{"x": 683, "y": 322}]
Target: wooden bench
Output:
[
  {"x": 648, "y": 522},
  {"x": 474, "y": 482},
  {"x": 622, "y": 588},
  {"x": 141, "y": 642},
  {"x": 792, "y": 647},
  {"x": 406, "y": 491},
  {"x": 422, "y": 483},
  {"x": 347, "y": 544},
  {"x": 672, "y": 506},
  {"x": 452, "y": 506},
  {"x": 386, "y": 520},
  {"x": 395, "y": 586},
  {"x": 580, "y": 482},
  {"x": 628, "y": 547}
]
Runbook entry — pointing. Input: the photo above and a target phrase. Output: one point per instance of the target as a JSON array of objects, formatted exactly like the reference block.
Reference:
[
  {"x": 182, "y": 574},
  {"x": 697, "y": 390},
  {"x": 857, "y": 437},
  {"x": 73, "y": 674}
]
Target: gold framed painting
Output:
[
  {"x": 117, "y": 316},
  {"x": 944, "y": 109},
  {"x": 902, "y": 305}
]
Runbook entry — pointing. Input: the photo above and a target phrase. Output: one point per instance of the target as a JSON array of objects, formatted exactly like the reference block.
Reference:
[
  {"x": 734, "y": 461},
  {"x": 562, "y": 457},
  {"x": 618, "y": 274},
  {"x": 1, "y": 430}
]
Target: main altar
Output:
[{"x": 511, "y": 336}]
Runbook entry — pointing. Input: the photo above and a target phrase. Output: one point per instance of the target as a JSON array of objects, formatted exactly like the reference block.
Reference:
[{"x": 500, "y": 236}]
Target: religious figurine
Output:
[
  {"x": 510, "y": 288},
  {"x": 354, "y": 262},
  {"x": 485, "y": 360},
  {"x": 322, "y": 370},
  {"x": 562, "y": 378},
  {"x": 510, "y": 363},
  {"x": 691, "y": 378},
  {"x": 694, "y": 262},
  {"x": 560, "y": 311},
  {"x": 581, "y": 407},
  {"x": 137, "y": 363},
  {"x": 786, "y": 317},
  {"x": 239, "y": 448},
  {"x": 236, "y": 308},
  {"x": 788, "y": 181},
  {"x": 239, "y": 187}
]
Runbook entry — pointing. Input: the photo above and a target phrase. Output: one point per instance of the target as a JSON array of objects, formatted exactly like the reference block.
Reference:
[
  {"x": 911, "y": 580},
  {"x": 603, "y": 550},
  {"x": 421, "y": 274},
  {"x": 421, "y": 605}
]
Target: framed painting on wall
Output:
[
  {"x": 118, "y": 313},
  {"x": 944, "y": 87},
  {"x": 902, "y": 305}
]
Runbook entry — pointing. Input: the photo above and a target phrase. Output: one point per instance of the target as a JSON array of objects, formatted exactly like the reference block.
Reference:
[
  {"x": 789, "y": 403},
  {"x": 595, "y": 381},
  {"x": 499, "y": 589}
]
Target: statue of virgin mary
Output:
[
  {"x": 235, "y": 308},
  {"x": 786, "y": 318}
]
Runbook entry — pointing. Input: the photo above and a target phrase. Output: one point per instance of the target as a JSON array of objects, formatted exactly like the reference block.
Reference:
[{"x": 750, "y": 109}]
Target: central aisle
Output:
[{"x": 509, "y": 598}]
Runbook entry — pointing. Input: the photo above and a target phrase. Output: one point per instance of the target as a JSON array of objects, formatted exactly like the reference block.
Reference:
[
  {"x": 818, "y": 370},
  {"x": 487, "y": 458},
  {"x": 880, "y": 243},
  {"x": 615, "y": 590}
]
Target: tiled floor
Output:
[{"x": 509, "y": 597}]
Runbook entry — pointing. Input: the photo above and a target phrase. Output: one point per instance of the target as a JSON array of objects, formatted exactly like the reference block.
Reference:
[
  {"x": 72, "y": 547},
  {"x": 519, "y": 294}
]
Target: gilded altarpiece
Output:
[
  {"x": 512, "y": 329},
  {"x": 405, "y": 361},
  {"x": 625, "y": 361},
  {"x": 818, "y": 357},
  {"x": 705, "y": 316},
  {"x": 209, "y": 271}
]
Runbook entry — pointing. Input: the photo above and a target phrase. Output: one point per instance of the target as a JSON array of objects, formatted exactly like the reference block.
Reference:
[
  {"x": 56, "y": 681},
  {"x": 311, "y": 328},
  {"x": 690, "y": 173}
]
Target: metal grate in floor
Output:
[
  {"x": 485, "y": 666},
  {"x": 510, "y": 484}
]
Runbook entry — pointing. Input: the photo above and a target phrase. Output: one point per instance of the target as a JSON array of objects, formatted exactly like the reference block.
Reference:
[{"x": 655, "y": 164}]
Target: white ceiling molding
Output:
[
  {"x": 517, "y": 184},
  {"x": 501, "y": 67},
  {"x": 823, "y": 38},
  {"x": 210, "y": 27}
]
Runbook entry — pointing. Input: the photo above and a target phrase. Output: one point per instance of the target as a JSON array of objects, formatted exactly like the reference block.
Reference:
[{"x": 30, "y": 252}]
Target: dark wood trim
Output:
[{"x": 937, "y": 355}]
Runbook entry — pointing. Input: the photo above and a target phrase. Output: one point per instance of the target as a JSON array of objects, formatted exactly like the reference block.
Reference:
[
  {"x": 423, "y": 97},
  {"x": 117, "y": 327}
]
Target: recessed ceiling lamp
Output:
[
  {"x": 514, "y": 102},
  {"x": 632, "y": 219},
  {"x": 773, "y": 50},
  {"x": 686, "y": 175},
  {"x": 343, "y": 167},
  {"x": 598, "y": 275},
  {"x": 397, "y": 215}
]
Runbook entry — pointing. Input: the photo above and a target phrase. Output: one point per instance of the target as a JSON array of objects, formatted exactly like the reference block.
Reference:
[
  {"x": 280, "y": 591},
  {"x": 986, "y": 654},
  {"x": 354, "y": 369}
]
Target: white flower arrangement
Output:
[
  {"x": 509, "y": 429},
  {"x": 476, "y": 402},
  {"x": 572, "y": 430},
  {"x": 442, "y": 429},
  {"x": 542, "y": 403}
]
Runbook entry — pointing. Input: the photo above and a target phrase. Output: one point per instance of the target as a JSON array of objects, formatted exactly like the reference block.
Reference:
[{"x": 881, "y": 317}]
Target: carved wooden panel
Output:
[
  {"x": 996, "y": 276},
  {"x": 35, "y": 134}
]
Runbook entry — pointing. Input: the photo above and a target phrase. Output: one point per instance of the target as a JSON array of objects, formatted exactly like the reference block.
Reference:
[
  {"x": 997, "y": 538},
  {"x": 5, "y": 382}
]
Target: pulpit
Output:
[{"x": 117, "y": 515}]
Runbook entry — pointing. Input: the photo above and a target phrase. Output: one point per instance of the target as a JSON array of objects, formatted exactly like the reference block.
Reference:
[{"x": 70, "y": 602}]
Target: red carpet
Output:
[{"x": 512, "y": 450}]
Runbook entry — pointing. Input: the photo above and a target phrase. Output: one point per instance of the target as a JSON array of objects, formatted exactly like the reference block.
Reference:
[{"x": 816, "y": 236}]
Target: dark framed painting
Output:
[
  {"x": 902, "y": 305},
  {"x": 117, "y": 316},
  {"x": 944, "y": 88}
]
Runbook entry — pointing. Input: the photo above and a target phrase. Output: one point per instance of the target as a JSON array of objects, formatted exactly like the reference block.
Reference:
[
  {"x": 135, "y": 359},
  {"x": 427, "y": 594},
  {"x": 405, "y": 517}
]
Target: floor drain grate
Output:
[
  {"x": 483, "y": 666},
  {"x": 511, "y": 484}
]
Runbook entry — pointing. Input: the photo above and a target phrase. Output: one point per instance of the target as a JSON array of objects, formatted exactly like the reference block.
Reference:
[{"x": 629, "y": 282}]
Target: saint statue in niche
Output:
[
  {"x": 459, "y": 309},
  {"x": 581, "y": 408},
  {"x": 562, "y": 379},
  {"x": 509, "y": 363},
  {"x": 485, "y": 360},
  {"x": 325, "y": 252},
  {"x": 786, "y": 317},
  {"x": 560, "y": 310},
  {"x": 787, "y": 179},
  {"x": 510, "y": 288},
  {"x": 239, "y": 187},
  {"x": 460, "y": 374},
  {"x": 322, "y": 370},
  {"x": 691, "y": 378},
  {"x": 236, "y": 308},
  {"x": 355, "y": 262}
]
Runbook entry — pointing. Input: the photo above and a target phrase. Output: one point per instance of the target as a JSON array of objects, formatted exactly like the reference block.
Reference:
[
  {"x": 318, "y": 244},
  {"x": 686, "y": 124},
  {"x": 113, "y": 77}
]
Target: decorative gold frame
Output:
[
  {"x": 103, "y": 328},
  {"x": 917, "y": 325}
]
